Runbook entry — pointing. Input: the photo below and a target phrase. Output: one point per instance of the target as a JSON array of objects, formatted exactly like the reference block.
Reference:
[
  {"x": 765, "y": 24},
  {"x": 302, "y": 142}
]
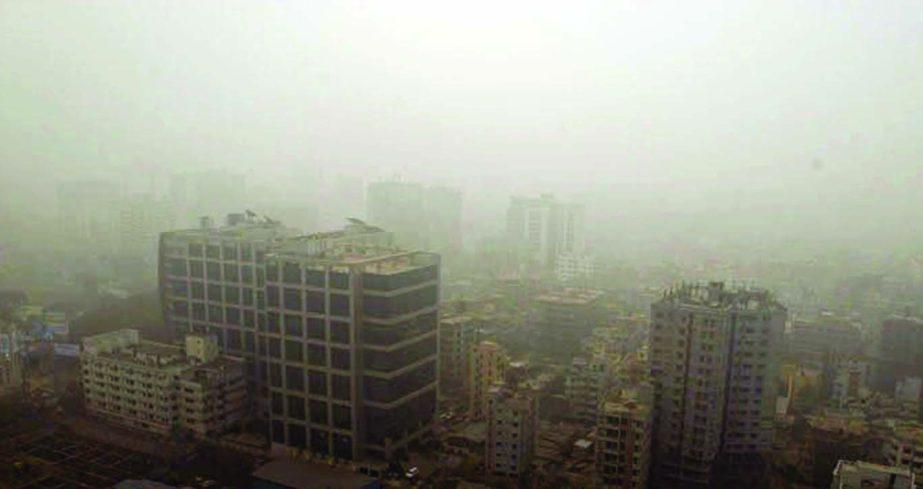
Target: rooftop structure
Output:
[
  {"x": 865, "y": 475},
  {"x": 624, "y": 431}
]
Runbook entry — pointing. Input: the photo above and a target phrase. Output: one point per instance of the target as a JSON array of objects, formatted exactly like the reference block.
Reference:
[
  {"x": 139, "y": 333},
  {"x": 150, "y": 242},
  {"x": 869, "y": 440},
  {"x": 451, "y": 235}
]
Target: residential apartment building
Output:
[
  {"x": 903, "y": 447},
  {"x": 563, "y": 318},
  {"x": 542, "y": 229},
  {"x": 511, "y": 432},
  {"x": 866, "y": 475},
  {"x": 584, "y": 389},
  {"x": 850, "y": 377},
  {"x": 713, "y": 365},
  {"x": 812, "y": 340},
  {"x": 457, "y": 336},
  {"x": 623, "y": 438},
  {"x": 901, "y": 351},
  {"x": 162, "y": 388},
  {"x": 489, "y": 362}
]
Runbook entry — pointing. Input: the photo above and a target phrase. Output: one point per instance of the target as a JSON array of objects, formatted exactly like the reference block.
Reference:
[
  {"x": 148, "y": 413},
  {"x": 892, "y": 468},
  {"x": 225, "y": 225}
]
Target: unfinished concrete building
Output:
[{"x": 623, "y": 438}]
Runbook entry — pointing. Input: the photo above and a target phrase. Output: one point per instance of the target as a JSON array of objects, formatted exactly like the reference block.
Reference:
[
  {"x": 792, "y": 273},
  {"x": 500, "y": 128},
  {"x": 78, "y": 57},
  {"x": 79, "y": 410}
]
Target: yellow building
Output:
[{"x": 488, "y": 366}]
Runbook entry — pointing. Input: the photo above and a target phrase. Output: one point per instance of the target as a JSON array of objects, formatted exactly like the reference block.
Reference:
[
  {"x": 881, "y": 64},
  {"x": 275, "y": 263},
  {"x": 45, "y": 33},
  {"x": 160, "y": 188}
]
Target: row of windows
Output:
[
  {"x": 215, "y": 293},
  {"x": 292, "y": 274},
  {"x": 382, "y": 335},
  {"x": 214, "y": 271},
  {"x": 390, "y": 390},
  {"x": 316, "y": 302},
  {"x": 381, "y": 424},
  {"x": 312, "y": 328},
  {"x": 399, "y": 280},
  {"x": 317, "y": 381},
  {"x": 390, "y": 361},
  {"x": 320, "y": 442},
  {"x": 320, "y": 412},
  {"x": 388, "y": 307},
  {"x": 212, "y": 313},
  {"x": 315, "y": 354},
  {"x": 226, "y": 251}
]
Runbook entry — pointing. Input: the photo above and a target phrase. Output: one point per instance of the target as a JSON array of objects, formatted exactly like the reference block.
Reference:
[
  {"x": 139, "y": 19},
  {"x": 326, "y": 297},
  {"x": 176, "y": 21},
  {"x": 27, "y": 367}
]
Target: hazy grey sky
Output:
[{"x": 758, "y": 104}]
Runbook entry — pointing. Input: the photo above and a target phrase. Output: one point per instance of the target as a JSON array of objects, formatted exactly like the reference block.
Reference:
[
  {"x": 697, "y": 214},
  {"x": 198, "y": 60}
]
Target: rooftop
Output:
[
  {"x": 304, "y": 475},
  {"x": 716, "y": 295},
  {"x": 861, "y": 466},
  {"x": 570, "y": 296}
]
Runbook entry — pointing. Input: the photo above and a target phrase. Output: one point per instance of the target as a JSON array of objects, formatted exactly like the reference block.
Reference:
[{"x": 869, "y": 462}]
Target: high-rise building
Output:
[
  {"x": 713, "y": 365},
  {"x": 511, "y": 432},
  {"x": 901, "y": 351},
  {"x": 488, "y": 365},
  {"x": 351, "y": 344},
  {"x": 623, "y": 438},
  {"x": 542, "y": 229},
  {"x": 159, "y": 387},
  {"x": 866, "y": 475},
  {"x": 457, "y": 336}
]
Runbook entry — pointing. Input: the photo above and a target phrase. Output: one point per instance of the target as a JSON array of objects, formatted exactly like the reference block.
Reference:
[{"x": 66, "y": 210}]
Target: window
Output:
[
  {"x": 213, "y": 269},
  {"x": 196, "y": 269},
  {"x": 246, "y": 252},
  {"x": 247, "y": 295},
  {"x": 278, "y": 431},
  {"x": 315, "y": 302},
  {"x": 339, "y": 358},
  {"x": 339, "y": 332},
  {"x": 315, "y": 278},
  {"x": 272, "y": 296},
  {"x": 293, "y": 325},
  {"x": 198, "y": 291},
  {"x": 320, "y": 442},
  {"x": 341, "y": 390},
  {"x": 272, "y": 272},
  {"x": 297, "y": 435},
  {"x": 339, "y": 305},
  {"x": 181, "y": 309},
  {"x": 232, "y": 295},
  {"x": 249, "y": 319},
  {"x": 214, "y": 293},
  {"x": 275, "y": 347},
  {"x": 213, "y": 252},
  {"x": 316, "y": 329},
  {"x": 343, "y": 447},
  {"x": 294, "y": 351},
  {"x": 215, "y": 314},
  {"x": 232, "y": 315},
  {"x": 342, "y": 417},
  {"x": 275, "y": 375},
  {"x": 229, "y": 251},
  {"x": 317, "y": 383},
  {"x": 272, "y": 322},
  {"x": 292, "y": 299},
  {"x": 291, "y": 273},
  {"x": 195, "y": 249},
  {"x": 198, "y": 311},
  {"x": 231, "y": 272},
  {"x": 294, "y": 378},
  {"x": 339, "y": 280},
  {"x": 277, "y": 404},
  {"x": 246, "y": 274},
  {"x": 234, "y": 340},
  {"x": 319, "y": 412},
  {"x": 177, "y": 267},
  {"x": 317, "y": 355}
]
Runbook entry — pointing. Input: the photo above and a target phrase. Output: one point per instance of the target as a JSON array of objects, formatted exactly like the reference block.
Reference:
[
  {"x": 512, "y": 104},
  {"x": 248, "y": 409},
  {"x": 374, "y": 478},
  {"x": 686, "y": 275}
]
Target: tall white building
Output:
[
  {"x": 713, "y": 364},
  {"x": 543, "y": 229}
]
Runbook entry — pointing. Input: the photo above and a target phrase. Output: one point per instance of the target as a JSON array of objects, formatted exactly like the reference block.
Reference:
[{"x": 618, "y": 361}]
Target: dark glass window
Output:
[
  {"x": 339, "y": 358},
  {"x": 291, "y": 273},
  {"x": 275, "y": 375},
  {"x": 316, "y": 329},
  {"x": 292, "y": 299},
  {"x": 198, "y": 291},
  {"x": 179, "y": 287},
  {"x": 195, "y": 249},
  {"x": 275, "y": 347},
  {"x": 317, "y": 355},
  {"x": 214, "y": 293},
  {"x": 315, "y": 278},
  {"x": 181, "y": 308},
  {"x": 389, "y": 390},
  {"x": 235, "y": 342},
  {"x": 294, "y": 378},
  {"x": 272, "y": 322},
  {"x": 339, "y": 280},
  {"x": 196, "y": 269},
  {"x": 278, "y": 431},
  {"x": 293, "y": 325},
  {"x": 297, "y": 435},
  {"x": 386, "y": 307},
  {"x": 319, "y": 412},
  {"x": 246, "y": 252},
  {"x": 296, "y": 407},
  {"x": 232, "y": 295},
  {"x": 317, "y": 383},
  {"x": 231, "y": 273},
  {"x": 229, "y": 250},
  {"x": 388, "y": 335},
  {"x": 213, "y": 269},
  {"x": 394, "y": 360},
  {"x": 315, "y": 302},
  {"x": 215, "y": 314},
  {"x": 343, "y": 446},
  {"x": 277, "y": 404},
  {"x": 246, "y": 274},
  {"x": 340, "y": 386},
  {"x": 272, "y": 296},
  {"x": 392, "y": 423},
  {"x": 250, "y": 340},
  {"x": 247, "y": 295},
  {"x": 339, "y": 332},
  {"x": 339, "y": 305},
  {"x": 320, "y": 442},
  {"x": 399, "y": 280},
  {"x": 232, "y": 315},
  {"x": 272, "y": 272},
  {"x": 198, "y": 311},
  {"x": 294, "y": 351},
  {"x": 342, "y": 417},
  {"x": 213, "y": 252},
  {"x": 177, "y": 267},
  {"x": 249, "y": 319}
]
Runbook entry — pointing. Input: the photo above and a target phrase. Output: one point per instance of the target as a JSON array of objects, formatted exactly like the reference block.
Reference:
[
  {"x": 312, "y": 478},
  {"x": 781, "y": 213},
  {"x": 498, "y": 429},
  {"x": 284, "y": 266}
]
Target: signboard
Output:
[{"x": 67, "y": 350}]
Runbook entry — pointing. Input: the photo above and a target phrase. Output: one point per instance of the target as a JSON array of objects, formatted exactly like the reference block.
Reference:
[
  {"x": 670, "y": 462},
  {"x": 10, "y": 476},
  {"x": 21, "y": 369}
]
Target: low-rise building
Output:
[
  {"x": 851, "y": 376},
  {"x": 865, "y": 475},
  {"x": 903, "y": 446},
  {"x": 162, "y": 388},
  {"x": 623, "y": 445},
  {"x": 511, "y": 432}
]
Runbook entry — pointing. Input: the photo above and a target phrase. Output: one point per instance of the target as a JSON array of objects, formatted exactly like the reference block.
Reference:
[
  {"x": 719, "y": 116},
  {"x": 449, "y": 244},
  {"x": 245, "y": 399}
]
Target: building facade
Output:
[
  {"x": 457, "y": 336},
  {"x": 563, "y": 318},
  {"x": 542, "y": 229},
  {"x": 488, "y": 365},
  {"x": 583, "y": 388},
  {"x": 903, "y": 447},
  {"x": 865, "y": 475},
  {"x": 161, "y": 388},
  {"x": 623, "y": 438},
  {"x": 712, "y": 352},
  {"x": 901, "y": 351},
  {"x": 511, "y": 432}
]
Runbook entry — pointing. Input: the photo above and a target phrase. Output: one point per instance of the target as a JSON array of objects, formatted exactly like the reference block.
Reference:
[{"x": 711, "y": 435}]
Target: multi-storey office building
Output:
[
  {"x": 350, "y": 345},
  {"x": 159, "y": 387},
  {"x": 457, "y": 336},
  {"x": 511, "y": 432},
  {"x": 488, "y": 365},
  {"x": 713, "y": 365},
  {"x": 623, "y": 439}
]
